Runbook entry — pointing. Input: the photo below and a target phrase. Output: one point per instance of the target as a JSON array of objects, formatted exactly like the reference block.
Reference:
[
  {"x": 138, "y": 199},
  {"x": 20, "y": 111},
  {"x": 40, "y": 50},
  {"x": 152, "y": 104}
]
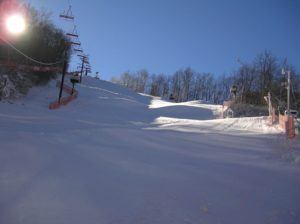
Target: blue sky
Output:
[{"x": 164, "y": 35}]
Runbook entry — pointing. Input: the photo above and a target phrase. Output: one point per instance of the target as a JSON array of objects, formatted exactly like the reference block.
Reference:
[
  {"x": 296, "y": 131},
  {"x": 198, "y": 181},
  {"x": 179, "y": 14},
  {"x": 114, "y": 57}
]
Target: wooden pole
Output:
[
  {"x": 81, "y": 72},
  {"x": 63, "y": 76}
]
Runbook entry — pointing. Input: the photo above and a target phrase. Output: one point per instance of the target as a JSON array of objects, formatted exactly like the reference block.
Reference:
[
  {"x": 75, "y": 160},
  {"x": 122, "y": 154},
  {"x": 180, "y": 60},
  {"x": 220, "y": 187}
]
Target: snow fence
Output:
[
  {"x": 64, "y": 100},
  {"x": 287, "y": 123}
]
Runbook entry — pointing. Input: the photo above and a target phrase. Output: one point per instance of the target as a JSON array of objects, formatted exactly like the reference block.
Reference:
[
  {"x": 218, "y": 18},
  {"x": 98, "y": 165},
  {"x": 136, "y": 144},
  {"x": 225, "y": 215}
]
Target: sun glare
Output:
[{"x": 15, "y": 24}]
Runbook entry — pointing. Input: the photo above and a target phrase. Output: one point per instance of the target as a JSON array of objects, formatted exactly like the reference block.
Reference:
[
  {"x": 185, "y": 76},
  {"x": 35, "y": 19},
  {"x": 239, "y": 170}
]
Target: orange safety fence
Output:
[
  {"x": 287, "y": 123},
  {"x": 64, "y": 100}
]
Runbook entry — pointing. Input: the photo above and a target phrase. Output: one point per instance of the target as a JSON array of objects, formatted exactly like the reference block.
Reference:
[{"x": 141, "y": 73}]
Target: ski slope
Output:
[{"x": 116, "y": 157}]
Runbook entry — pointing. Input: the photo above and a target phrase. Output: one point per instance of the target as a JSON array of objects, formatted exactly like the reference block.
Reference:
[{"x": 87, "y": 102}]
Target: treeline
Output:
[
  {"x": 253, "y": 81},
  {"x": 41, "y": 41}
]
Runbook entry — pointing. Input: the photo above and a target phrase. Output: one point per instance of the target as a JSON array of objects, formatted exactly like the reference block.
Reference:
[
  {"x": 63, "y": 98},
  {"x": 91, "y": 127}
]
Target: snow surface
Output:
[{"x": 114, "y": 156}]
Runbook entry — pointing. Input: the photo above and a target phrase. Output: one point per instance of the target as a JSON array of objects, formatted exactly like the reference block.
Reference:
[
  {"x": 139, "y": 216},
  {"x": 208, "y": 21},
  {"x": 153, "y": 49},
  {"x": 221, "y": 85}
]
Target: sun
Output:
[{"x": 15, "y": 24}]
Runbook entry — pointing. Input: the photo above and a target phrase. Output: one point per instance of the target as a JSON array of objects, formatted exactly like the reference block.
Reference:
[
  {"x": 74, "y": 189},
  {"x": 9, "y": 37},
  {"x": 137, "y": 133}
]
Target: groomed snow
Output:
[
  {"x": 117, "y": 157},
  {"x": 233, "y": 126}
]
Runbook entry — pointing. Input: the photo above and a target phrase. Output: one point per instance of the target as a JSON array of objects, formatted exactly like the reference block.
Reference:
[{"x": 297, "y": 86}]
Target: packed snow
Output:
[
  {"x": 116, "y": 157},
  {"x": 238, "y": 126}
]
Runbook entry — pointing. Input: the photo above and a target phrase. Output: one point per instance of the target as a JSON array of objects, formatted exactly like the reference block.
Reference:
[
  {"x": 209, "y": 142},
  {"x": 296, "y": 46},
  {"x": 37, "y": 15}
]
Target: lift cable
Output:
[{"x": 30, "y": 58}]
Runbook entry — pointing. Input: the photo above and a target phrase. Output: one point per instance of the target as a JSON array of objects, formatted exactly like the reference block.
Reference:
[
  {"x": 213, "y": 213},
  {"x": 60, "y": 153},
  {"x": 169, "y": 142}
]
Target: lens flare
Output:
[{"x": 15, "y": 24}]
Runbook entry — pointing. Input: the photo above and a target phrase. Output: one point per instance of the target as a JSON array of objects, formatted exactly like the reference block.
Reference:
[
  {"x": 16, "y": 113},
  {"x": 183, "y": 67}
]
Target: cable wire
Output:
[{"x": 30, "y": 58}]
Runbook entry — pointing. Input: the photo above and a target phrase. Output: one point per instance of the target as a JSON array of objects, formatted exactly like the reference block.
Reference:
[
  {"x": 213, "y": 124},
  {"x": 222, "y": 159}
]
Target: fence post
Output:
[{"x": 290, "y": 127}]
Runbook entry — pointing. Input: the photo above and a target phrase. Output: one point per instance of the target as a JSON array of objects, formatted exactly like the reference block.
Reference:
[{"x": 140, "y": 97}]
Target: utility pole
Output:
[
  {"x": 67, "y": 15},
  {"x": 289, "y": 93},
  {"x": 63, "y": 75},
  {"x": 81, "y": 71},
  {"x": 270, "y": 104},
  {"x": 83, "y": 61},
  {"x": 288, "y": 87}
]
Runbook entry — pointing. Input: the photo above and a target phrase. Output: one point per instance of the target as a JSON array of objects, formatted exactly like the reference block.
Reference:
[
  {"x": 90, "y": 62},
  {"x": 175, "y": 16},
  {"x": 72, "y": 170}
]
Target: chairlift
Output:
[
  {"x": 75, "y": 78},
  {"x": 81, "y": 56},
  {"x": 71, "y": 34},
  {"x": 74, "y": 43},
  {"x": 74, "y": 33},
  {"x": 67, "y": 14}
]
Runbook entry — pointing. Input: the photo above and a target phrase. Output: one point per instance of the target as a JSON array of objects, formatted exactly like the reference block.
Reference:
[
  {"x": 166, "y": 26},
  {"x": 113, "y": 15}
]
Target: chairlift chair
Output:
[
  {"x": 74, "y": 43},
  {"x": 75, "y": 78},
  {"x": 71, "y": 35},
  {"x": 74, "y": 33},
  {"x": 67, "y": 14}
]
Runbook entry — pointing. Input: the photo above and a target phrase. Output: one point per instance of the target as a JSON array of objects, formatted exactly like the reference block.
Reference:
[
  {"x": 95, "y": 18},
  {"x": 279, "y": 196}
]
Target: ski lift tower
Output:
[
  {"x": 84, "y": 60},
  {"x": 68, "y": 16}
]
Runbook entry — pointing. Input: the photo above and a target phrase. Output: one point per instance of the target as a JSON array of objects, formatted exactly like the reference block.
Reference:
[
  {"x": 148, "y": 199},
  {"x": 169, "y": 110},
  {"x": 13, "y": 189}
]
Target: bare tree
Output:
[
  {"x": 254, "y": 80},
  {"x": 266, "y": 66},
  {"x": 142, "y": 77}
]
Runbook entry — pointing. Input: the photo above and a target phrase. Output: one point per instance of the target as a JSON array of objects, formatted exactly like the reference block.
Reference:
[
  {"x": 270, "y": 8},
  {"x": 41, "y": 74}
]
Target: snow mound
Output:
[
  {"x": 158, "y": 103},
  {"x": 238, "y": 126}
]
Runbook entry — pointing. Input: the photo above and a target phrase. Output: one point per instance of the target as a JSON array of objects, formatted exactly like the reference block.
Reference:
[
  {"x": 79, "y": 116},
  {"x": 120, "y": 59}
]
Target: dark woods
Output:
[{"x": 43, "y": 42}]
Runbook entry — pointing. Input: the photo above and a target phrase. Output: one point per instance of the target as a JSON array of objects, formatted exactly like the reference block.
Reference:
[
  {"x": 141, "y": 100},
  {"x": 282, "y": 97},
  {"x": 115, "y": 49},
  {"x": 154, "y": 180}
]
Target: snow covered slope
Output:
[{"x": 116, "y": 157}]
